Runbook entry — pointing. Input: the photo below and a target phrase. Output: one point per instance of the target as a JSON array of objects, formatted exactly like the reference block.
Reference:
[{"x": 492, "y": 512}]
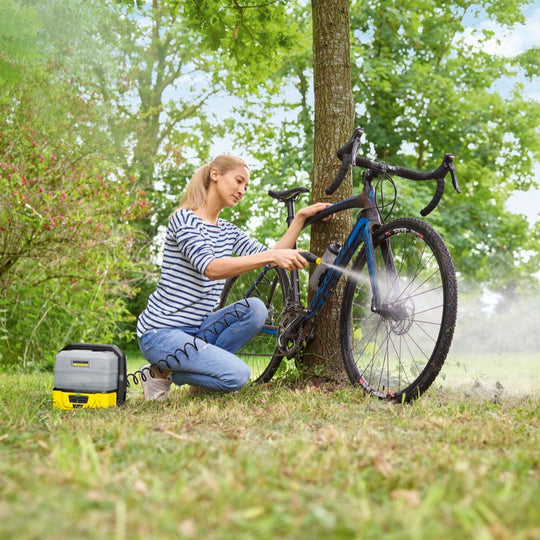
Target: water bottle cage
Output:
[{"x": 326, "y": 260}]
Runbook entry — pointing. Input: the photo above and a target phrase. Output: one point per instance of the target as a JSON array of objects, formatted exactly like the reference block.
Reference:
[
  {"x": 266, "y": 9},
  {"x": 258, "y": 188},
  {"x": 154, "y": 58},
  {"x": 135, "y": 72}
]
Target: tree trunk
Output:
[{"x": 334, "y": 122}]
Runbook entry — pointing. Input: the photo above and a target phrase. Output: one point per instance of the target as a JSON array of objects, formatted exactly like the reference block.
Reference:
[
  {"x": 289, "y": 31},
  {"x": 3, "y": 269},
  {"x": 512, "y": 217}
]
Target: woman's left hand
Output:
[{"x": 313, "y": 209}]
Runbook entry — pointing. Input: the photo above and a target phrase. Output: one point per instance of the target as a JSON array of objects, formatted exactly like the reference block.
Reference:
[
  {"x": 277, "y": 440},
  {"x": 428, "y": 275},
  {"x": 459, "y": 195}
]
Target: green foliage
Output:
[
  {"x": 423, "y": 88},
  {"x": 18, "y": 28},
  {"x": 530, "y": 62},
  {"x": 64, "y": 221},
  {"x": 252, "y": 36}
]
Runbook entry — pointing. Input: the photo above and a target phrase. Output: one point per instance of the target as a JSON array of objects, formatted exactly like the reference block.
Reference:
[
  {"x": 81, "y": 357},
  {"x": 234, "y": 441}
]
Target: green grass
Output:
[
  {"x": 269, "y": 462},
  {"x": 499, "y": 373}
]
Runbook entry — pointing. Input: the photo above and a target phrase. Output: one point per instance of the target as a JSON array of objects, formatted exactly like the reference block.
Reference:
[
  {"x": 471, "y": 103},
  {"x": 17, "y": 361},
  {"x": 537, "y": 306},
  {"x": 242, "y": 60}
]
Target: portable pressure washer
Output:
[{"x": 89, "y": 376}]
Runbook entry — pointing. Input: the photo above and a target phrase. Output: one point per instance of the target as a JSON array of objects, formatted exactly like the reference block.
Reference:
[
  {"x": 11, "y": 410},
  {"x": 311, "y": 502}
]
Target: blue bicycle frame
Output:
[{"x": 360, "y": 234}]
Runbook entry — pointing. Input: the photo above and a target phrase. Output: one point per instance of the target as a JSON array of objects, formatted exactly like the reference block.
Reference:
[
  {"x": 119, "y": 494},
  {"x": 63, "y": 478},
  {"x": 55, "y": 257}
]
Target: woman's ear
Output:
[{"x": 214, "y": 174}]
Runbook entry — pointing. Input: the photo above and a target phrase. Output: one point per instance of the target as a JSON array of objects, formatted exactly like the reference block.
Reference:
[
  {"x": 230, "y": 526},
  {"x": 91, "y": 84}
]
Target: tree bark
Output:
[{"x": 334, "y": 122}]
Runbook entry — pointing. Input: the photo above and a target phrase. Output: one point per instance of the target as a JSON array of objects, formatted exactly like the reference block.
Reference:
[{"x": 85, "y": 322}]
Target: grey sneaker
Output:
[{"x": 154, "y": 389}]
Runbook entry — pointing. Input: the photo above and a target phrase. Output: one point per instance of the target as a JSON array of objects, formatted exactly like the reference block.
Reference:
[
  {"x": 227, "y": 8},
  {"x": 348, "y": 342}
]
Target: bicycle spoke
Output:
[{"x": 391, "y": 350}]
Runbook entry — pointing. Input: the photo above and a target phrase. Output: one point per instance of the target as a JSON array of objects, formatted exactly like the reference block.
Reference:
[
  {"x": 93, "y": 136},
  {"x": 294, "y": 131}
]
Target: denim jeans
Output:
[{"x": 205, "y": 356}]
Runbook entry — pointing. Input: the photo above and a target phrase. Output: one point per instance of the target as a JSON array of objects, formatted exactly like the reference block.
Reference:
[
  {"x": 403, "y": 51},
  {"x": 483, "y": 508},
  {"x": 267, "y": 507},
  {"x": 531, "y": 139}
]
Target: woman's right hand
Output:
[{"x": 288, "y": 259}]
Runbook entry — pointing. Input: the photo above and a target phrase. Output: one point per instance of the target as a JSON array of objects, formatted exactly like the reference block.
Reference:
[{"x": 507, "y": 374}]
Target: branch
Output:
[
  {"x": 243, "y": 24},
  {"x": 63, "y": 276},
  {"x": 186, "y": 113},
  {"x": 266, "y": 4}
]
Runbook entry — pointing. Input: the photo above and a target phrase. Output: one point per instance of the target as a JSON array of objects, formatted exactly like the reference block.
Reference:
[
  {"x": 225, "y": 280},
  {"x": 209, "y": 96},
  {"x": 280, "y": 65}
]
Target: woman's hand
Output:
[
  {"x": 226, "y": 267},
  {"x": 313, "y": 209},
  {"x": 289, "y": 238},
  {"x": 288, "y": 259}
]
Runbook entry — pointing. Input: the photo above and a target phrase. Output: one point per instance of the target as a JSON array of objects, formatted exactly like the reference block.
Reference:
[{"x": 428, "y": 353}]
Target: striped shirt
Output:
[{"x": 184, "y": 295}]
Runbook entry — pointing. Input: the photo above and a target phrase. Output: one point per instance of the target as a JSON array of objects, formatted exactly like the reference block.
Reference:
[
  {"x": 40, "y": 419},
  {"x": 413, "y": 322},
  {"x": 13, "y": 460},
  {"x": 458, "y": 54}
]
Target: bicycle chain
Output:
[{"x": 291, "y": 340}]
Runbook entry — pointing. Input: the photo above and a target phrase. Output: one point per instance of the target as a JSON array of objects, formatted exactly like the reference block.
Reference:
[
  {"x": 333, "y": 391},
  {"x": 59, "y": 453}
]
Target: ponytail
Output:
[
  {"x": 195, "y": 194},
  {"x": 197, "y": 189}
]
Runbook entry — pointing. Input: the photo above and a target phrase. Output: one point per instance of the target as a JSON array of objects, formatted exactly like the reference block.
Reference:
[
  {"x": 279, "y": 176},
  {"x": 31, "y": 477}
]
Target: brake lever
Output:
[
  {"x": 449, "y": 164},
  {"x": 358, "y": 134},
  {"x": 454, "y": 178}
]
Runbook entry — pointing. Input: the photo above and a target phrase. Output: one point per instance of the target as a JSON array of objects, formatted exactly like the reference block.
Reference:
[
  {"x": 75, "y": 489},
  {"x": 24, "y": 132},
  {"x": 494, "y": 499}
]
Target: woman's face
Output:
[{"x": 231, "y": 185}]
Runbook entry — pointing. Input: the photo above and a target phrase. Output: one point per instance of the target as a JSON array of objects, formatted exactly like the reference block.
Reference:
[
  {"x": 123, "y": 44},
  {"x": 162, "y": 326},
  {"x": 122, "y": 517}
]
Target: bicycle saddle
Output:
[{"x": 288, "y": 194}]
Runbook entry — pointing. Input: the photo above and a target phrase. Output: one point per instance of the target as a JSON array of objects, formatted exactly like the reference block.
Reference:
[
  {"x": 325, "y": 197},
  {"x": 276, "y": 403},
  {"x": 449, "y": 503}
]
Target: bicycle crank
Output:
[{"x": 289, "y": 337}]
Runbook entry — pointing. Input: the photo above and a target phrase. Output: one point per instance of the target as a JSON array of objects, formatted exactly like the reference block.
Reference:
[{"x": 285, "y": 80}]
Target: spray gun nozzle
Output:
[{"x": 310, "y": 257}]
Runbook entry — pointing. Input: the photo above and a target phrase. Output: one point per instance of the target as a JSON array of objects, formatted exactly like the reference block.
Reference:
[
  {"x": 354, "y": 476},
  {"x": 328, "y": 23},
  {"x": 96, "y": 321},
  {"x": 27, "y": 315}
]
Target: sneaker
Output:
[{"x": 154, "y": 388}]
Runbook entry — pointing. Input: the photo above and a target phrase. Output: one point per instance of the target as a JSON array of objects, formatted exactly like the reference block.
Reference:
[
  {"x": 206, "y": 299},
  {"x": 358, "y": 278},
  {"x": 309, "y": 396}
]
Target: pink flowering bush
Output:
[{"x": 66, "y": 224}]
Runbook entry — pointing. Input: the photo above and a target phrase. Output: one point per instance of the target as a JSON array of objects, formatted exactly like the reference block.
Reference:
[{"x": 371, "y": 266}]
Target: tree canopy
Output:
[{"x": 423, "y": 89}]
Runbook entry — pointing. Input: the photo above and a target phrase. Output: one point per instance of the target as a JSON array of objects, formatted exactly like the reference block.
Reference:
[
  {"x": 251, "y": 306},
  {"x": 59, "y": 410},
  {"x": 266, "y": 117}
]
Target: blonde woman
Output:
[{"x": 198, "y": 257}]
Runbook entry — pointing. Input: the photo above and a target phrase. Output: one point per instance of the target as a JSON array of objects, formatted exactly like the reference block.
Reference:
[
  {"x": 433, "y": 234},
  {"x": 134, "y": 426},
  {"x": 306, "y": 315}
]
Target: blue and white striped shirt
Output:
[{"x": 184, "y": 295}]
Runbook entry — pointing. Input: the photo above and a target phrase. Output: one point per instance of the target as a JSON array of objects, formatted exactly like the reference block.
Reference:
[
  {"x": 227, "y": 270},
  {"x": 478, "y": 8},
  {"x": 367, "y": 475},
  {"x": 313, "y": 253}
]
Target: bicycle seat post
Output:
[
  {"x": 290, "y": 210},
  {"x": 289, "y": 197},
  {"x": 295, "y": 279}
]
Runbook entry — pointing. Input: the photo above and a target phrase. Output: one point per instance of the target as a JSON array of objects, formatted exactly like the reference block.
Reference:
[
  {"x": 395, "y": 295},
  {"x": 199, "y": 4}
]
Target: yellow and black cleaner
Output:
[{"x": 89, "y": 376}]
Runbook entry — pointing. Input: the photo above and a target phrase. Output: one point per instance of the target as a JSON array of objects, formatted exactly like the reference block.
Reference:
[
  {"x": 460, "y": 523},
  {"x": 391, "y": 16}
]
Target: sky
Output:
[{"x": 521, "y": 38}]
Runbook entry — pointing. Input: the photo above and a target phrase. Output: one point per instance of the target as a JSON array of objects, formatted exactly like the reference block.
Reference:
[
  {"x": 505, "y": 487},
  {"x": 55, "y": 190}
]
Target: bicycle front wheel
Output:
[
  {"x": 271, "y": 286},
  {"x": 396, "y": 350}
]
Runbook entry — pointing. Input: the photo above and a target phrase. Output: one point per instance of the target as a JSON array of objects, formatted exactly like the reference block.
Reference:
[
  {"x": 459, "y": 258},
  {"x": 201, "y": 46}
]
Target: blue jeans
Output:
[{"x": 205, "y": 356}]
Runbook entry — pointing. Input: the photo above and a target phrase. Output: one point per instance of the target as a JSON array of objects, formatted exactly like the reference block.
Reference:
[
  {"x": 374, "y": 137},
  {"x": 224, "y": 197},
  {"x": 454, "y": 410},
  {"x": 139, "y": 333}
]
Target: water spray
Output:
[{"x": 326, "y": 262}]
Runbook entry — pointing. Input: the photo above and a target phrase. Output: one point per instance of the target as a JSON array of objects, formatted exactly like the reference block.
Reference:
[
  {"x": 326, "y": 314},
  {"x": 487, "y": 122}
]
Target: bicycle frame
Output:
[{"x": 360, "y": 234}]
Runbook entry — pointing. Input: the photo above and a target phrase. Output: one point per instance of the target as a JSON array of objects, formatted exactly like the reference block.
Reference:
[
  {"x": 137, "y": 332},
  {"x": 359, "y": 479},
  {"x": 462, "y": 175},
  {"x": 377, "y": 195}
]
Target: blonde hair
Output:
[{"x": 197, "y": 188}]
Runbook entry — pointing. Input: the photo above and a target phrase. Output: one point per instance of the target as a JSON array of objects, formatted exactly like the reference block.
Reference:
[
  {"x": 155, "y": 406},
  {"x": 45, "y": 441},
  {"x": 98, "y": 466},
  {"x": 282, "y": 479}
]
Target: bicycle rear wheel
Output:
[
  {"x": 398, "y": 352},
  {"x": 272, "y": 284}
]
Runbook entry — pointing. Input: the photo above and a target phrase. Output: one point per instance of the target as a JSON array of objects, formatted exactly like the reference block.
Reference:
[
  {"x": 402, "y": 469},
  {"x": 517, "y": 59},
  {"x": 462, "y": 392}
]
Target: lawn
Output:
[
  {"x": 273, "y": 462},
  {"x": 515, "y": 374}
]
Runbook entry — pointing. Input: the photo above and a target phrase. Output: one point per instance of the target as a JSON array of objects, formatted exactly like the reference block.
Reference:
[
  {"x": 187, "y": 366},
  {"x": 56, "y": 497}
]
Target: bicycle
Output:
[{"x": 399, "y": 305}]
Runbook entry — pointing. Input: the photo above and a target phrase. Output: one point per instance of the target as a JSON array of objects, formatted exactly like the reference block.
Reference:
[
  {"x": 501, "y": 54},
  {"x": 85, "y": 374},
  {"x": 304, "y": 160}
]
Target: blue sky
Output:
[{"x": 523, "y": 37}]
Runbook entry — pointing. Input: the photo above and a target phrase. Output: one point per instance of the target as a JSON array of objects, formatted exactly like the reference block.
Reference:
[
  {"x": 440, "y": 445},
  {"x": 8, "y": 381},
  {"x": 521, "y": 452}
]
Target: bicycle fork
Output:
[{"x": 378, "y": 305}]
